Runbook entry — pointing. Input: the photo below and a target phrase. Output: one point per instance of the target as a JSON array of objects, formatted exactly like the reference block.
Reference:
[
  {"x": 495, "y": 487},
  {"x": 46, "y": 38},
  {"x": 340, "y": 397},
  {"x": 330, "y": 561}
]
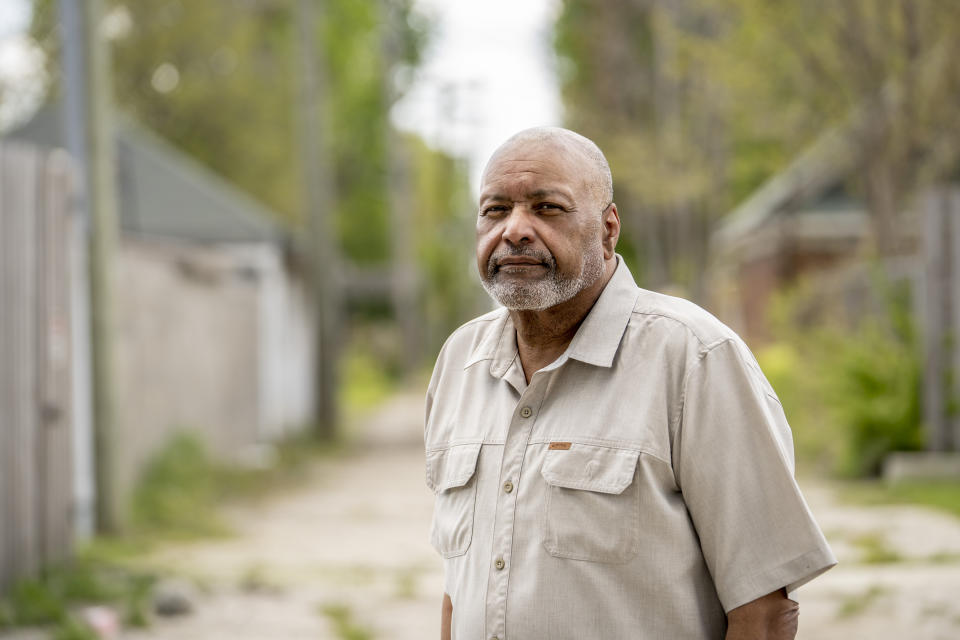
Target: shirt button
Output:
[
  {"x": 508, "y": 486},
  {"x": 526, "y": 412},
  {"x": 499, "y": 564}
]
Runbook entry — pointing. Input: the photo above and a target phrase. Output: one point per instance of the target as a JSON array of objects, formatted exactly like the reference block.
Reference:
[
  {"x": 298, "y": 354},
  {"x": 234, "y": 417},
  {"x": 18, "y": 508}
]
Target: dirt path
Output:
[{"x": 348, "y": 555}]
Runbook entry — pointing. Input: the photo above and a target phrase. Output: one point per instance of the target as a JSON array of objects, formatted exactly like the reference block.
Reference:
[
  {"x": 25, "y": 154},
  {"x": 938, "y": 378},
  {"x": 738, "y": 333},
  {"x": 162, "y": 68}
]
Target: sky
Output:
[
  {"x": 20, "y": 61},
  {"x": 487, "y": 73}
]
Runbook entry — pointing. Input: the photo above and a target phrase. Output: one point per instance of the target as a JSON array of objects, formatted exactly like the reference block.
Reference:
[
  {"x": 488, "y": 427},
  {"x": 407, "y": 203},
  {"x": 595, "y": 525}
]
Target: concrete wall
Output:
[
  {"x": 187, "y": 351},
  {"x": 286, "y": 342}
]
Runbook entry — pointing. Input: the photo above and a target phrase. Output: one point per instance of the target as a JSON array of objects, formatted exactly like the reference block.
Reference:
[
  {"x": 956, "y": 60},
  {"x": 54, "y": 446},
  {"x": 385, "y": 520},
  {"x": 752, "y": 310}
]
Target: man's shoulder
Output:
[
  {"x": 681, "y": 318},
  {"x": 478, "y": 328},
  {"x": 467, "y": 337}
]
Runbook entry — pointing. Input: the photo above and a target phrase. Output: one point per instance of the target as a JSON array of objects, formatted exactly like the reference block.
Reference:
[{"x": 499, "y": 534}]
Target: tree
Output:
[
  {"x": 217, "y": 80},
  {"x": 698, "y": 102}
]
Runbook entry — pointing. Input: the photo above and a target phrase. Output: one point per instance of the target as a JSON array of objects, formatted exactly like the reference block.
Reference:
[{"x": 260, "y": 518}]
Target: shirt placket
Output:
[{"x": 501, "y": 566}]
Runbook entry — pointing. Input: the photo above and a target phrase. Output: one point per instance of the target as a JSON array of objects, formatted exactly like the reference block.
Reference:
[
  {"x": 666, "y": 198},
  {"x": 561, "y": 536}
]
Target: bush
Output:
[
  {"x": 177, "y": 492},
  {"x": 872, "y": 386},
  {"x": 851, "y": 392}
]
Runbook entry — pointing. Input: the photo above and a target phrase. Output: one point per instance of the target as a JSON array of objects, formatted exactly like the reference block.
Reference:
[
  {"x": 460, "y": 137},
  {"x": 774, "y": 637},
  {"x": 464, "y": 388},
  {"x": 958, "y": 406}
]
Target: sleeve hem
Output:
[{"x": 790, "y": 575}]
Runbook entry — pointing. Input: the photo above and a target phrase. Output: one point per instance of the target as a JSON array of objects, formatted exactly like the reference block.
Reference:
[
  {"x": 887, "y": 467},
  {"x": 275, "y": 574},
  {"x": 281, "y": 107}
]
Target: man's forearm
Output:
[
  {"x": 772, "y": 617},
  {"x": 446, "y": 615}
]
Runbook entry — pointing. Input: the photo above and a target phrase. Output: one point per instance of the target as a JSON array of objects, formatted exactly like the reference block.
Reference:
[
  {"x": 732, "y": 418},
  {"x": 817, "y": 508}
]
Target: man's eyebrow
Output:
[
  {"x": 533, "y": 195},
  {"x": 547, "y": 193}
]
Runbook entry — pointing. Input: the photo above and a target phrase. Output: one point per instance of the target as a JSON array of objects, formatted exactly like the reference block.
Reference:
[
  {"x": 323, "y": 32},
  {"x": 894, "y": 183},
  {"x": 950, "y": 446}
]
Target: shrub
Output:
[
  {"x": 177, "y": 492},
  {"x": 851, "y": 390}
]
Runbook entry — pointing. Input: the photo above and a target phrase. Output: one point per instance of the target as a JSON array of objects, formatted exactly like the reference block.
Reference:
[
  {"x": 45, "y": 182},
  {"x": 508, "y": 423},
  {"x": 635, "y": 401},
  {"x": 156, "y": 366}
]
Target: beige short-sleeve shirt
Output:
[{"x": 639, "y": 487}]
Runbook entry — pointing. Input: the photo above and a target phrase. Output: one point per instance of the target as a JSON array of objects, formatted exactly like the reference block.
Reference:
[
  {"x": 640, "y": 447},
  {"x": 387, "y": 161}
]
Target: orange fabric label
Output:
[{"x": 559, "y": 445}]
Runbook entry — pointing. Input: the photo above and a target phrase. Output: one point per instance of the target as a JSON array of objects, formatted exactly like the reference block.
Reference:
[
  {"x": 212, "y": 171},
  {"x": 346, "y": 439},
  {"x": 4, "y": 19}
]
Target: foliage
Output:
[
  {"x": 444, "y": 243},
  {"x": 697, "y": 102},
  {"x": 220, "y": 80},
  {"x": 851, "y": 393},
  {"x": 181, "y": 487},
  {"x": 858, "y": 603},
  {"x": 943, "y": 495},
  {"x": 344, "y": 626},
  {"x": 176, "y": 492},
  {"x": 874, "y": 549},
  {"x": 368, "y": 377},
  {"x": 49, "y": 600}
]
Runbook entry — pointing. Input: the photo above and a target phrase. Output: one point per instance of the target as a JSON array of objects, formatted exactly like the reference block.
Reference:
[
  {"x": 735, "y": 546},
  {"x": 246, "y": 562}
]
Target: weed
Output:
[
  {"x": 943, "y": 557},
  {"x": 73, "y": 629},
  {"x": 34, "y": 603},
  {"x": 875, "y": 550},
  {"x": 343, "y": 624},
  {"x": 942, "y": 495},
  {"x": 48, "y": 599},
  {"x": 256, "y": 579},
  {"x": 177, "y": 491},
  {"x": 858, "y": 603},
  {"x": 406, "y": 583}
]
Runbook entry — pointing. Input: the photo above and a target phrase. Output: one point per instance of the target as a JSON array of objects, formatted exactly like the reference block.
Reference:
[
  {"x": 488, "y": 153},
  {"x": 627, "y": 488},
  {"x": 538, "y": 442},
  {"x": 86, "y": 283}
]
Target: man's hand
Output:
[
  {"x": 772, "y": 617},
  {"x": 446, "y": 615}
]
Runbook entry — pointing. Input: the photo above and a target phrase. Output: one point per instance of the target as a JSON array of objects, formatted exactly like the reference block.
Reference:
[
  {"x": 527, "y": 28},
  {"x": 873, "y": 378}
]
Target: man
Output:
[{"x": 608, "y": 462}]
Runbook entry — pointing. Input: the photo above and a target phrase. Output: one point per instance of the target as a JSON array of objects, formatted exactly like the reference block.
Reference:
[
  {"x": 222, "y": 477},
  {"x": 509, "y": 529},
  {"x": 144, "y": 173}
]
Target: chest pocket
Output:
[
  {"x": 451, "y": 475},
  {"x": 592, "y": 503}
]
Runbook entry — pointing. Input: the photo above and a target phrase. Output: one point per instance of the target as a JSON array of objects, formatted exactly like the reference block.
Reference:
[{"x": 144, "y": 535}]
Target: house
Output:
[
  {"x": 803, "y": 223},
  {"x": 213, "y": 317}
]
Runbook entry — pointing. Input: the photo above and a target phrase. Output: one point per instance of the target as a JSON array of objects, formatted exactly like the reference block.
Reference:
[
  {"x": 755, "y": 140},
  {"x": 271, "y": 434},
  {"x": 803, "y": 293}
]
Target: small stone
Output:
[{"x": 173, "y": 598}]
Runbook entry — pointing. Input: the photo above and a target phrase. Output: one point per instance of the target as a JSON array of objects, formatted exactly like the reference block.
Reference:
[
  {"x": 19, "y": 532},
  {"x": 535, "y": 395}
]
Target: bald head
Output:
[{"x": 597, "y": 176}]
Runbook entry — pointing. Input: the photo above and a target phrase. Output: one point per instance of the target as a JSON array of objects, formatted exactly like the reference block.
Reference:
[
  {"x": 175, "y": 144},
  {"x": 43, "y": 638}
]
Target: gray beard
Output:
[{"x": 549, "y": 291}]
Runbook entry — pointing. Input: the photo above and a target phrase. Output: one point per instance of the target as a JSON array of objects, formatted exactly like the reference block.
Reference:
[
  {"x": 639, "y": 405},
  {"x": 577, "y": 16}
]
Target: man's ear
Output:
[{"x": 611, "y": 231}]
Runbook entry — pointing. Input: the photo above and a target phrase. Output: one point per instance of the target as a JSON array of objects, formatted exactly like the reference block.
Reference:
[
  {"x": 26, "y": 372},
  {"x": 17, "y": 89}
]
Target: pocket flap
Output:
[
  {"x": 451, "y": 467},
  {"x": 591, "y": 468}
]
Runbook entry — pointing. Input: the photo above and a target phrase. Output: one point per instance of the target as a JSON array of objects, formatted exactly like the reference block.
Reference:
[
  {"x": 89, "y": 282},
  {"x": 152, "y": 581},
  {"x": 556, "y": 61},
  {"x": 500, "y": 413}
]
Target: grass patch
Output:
[
  {"x": 875, "y": 550},
  {"x": 943, "y": 557},
  {"x": 366, "y": 382},
  {"x": 406, "y": 583},
  {"x": 942, "y": 495},
  {"x": 50, "y": 599},
  {"x": 177, "y": 492},
  {"x": 181, "y": 488},
  {"x": 858, "y": 603},
  {"x": 344, "y": 626}
]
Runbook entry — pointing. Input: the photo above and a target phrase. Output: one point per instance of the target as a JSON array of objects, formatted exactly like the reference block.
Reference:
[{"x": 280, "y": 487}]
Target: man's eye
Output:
[
  {"x": 495, "y": 210},
  {"x": 549, "y": 207}
]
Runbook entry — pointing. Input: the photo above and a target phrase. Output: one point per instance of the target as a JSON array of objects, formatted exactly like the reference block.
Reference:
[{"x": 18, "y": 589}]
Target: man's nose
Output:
[{"x": 518, "y": 228}]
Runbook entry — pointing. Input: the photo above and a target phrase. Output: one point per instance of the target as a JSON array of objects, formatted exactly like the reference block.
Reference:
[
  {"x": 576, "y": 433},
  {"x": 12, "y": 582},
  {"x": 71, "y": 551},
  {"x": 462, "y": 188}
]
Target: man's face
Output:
[{"x": 539, "y": 227}]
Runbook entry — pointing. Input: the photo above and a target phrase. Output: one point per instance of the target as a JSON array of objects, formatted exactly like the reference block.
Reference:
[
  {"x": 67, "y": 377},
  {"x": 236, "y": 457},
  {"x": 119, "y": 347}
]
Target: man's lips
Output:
[{"x": 514, "y": 261}]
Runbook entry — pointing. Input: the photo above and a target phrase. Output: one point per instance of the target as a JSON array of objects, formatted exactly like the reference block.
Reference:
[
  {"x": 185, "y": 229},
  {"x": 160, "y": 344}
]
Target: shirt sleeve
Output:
[{"x": 733, "y": 456}]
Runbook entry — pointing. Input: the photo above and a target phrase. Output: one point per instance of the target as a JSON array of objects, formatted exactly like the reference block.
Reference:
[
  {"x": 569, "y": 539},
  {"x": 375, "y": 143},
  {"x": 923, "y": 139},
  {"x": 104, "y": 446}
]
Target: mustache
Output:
[{"x": 493, "y": 263}]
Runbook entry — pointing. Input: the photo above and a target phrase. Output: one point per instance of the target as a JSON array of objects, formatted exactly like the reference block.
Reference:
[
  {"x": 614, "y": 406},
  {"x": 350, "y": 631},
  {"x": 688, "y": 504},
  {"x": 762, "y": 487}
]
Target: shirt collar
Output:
[
  {"x": 598, "y": 338},
  {"x": 596, "y": 341}
]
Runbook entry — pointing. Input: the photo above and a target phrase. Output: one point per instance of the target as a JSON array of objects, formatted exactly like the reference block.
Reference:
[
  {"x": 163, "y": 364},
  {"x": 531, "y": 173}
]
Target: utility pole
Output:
[
  {"x": 73, "y": 63},
  {"x": 403, "y": 273},
  {"x": 88, "y": 90},
  {"x": 318, "y": 202}
]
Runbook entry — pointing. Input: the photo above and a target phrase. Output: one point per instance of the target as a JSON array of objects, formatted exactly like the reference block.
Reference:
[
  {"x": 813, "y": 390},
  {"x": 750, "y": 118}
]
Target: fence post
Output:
[
  {"x": 953, "y": 292},
  {"x": 940, "y": 317}
]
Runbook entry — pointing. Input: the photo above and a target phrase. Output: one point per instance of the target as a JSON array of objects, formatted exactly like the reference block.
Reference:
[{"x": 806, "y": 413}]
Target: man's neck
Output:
[{"x": 543, "y": 335}]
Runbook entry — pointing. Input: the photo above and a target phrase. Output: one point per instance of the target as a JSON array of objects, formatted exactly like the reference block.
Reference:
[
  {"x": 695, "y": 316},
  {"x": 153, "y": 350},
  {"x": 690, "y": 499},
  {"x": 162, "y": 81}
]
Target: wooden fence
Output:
[
  {"x": 941, "y": 313},
  {"x": 36, "y": 470}
]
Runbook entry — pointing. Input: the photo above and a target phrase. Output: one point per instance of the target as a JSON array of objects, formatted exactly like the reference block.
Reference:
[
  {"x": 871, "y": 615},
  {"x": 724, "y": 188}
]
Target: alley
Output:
[{"x": 346, "y": 556}]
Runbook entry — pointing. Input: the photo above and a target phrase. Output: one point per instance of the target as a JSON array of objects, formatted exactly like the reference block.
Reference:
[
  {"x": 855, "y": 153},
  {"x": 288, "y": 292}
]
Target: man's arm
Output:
[
  {"x": 772, "y": 617},
  {"x": 446, "y": 615}
]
